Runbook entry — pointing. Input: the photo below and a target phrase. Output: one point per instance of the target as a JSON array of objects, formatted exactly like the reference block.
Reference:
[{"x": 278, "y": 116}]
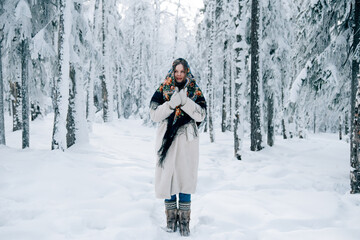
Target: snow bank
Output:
[{"x": 298, "y": 189}]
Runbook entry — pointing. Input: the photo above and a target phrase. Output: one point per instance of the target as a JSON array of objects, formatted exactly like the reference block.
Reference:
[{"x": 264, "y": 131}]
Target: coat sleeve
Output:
[
  {"x": 194, "y": 110},
  {"x": 160, "y": 112}
]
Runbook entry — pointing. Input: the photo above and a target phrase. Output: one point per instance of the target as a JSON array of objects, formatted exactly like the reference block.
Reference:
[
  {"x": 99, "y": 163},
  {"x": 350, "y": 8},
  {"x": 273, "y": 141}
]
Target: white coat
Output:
[{"x": 180, "y": 169}]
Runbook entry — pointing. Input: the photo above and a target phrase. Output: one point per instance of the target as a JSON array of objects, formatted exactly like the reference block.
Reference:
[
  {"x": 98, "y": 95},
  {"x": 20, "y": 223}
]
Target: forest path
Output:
[{"x": 104, "y": 190}]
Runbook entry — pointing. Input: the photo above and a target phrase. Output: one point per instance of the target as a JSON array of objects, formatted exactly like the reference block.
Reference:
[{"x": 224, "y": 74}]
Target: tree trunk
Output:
[
  {"x": 55, "y": 41},
  {"x": 314, "y": 122},
  {"x": 231, "y": 96},
  {"x": 225, "y": 83},
  {"x": 141, "y": 84},
  {"x": 25, "y": 93},
  {"x": 239, "y": 81},
  {"x": 105, "y": 93},
  {"x": 210, "y": 73},
  {"x": 16, "y": 104},
  {"x": 2, "y": 113},
  {"x": 155, "y": 52},
  {"x": 283, "y": 129},
  {"x": 270, "y": 117},
  {"x": 70, "y": 120},
  {"x": 346, "y": 123},
  {"x": 355, "y": 163},
  {"x": 62, "y": 82},
  {"x": 340, "y": 129},
  {"x": 118, "y": 91},
  {"x": 90, "y": 113},
  {"x": 355, "y": 71},
  {"x": 283, "y": 111},
  {"x": 176, "y": 29},
  {"x": 255, "y": 136}
]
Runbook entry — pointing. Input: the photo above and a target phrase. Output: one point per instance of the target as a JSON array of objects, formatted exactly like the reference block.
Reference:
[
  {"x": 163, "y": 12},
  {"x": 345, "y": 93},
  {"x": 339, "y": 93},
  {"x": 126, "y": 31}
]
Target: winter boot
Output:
[
  {"x": 184, "y": 218},
  {"x": 171, "y": 212}
]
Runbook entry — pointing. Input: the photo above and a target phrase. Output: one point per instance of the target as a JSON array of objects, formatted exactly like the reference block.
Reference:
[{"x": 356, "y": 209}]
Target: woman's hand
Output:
[
  {"x": 175, "y": 100},
  {"x": 183, "y": 96}
]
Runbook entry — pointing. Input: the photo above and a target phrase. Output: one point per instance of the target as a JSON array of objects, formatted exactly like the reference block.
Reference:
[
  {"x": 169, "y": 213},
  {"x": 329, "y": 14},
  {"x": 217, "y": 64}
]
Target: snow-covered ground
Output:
[{"x": 298, "y": 189}]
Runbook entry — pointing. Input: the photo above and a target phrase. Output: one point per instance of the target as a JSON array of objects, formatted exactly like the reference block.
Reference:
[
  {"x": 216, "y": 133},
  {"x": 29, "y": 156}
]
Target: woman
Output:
[{"x": 179, "y": 105}]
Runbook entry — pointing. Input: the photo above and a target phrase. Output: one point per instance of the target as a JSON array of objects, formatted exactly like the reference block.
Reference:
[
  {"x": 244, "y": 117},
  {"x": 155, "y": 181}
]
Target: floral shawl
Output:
[{"x": 178, "y": 118}]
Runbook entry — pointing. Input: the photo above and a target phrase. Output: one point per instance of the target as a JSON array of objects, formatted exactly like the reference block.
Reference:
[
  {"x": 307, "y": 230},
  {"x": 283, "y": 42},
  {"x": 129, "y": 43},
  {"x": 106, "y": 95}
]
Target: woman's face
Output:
[{"x": 179, "y": 73}]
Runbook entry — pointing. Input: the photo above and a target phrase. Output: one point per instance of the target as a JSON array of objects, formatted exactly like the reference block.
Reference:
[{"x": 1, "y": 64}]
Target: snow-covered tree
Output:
[
  {"x": 210, "y": 34},
  {"x": 320, "y": 70},
  {"x": 241, "y": 57},
  {"x": 277, "y": 31},
  {"x": 62, "y": 82},
  {"x": 76, "y": 117},
  {"x": 11, "y": 61},
  {"x": 24, "y": 28}
]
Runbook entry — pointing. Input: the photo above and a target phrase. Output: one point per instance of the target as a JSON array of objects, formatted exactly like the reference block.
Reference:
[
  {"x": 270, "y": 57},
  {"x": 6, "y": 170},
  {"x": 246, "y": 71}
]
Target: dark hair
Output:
[{"x": 182, "y": 62}]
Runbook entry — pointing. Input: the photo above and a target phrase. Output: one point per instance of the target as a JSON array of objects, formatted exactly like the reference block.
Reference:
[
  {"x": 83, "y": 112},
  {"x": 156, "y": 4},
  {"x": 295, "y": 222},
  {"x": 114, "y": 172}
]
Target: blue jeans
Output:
[{"x": 183, "y": 197}]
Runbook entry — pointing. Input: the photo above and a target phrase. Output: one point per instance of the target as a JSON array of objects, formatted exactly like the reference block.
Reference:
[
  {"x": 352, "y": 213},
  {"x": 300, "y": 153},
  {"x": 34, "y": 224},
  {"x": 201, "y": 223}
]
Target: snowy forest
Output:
[{"x": 269, "y": 69}]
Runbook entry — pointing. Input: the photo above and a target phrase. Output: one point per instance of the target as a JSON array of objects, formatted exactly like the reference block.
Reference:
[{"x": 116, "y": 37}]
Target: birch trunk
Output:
[
  {"x": 239, "y": 80},
  {"x": 210, "y": 72}
]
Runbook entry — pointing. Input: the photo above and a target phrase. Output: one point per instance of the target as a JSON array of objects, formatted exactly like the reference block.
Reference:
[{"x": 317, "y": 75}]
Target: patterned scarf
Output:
[{"x": 178, "y": 118}]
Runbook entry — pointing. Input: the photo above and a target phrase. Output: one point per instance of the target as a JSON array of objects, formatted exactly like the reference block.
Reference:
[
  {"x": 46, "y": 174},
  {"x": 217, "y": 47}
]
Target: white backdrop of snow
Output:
[{"x": 104, "y": 189}]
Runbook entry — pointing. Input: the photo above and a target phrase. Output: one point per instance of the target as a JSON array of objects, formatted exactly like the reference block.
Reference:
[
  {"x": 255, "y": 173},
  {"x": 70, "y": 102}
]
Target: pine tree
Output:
[
  {"x": 137, "y": 58},
  {"x": 43, "y": 55},
  {"x": 320, "y": 73},
  {"x": 275, "y": 50}
]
